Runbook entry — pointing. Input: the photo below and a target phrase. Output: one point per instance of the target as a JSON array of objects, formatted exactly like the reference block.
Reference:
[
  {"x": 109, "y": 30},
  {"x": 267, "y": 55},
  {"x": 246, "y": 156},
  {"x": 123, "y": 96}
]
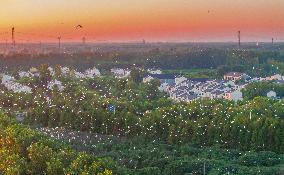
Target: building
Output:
[
  {"x": 217, "y": 94},
  {"x": 274, "y": 77},
  {"x": 164, "y": 78},
  {"x": 23, "y": 74},
  {"x": 189, "y": 98},
  {"x": 34, "y": 71},
  {"x": 183, "y": 94},
  {"x": 120, "y": 73},
  {"x": 10, "y": 83},
  {"x": 65, "y": 70},
  {"x": 233, "y": 76},
  {"x": 147, "y": 79},
  {"x": 180, "y": 79},
  {"x": 188, "y": 90},
  {"x": 91, "y": 73},
  {"x": 165, "y": 87},
  {"x": 154, "y": 71},
  {"x": 271, "y": 94},
  {"x": 234, "y": 95},
  {"x": 56, "y": 83}
]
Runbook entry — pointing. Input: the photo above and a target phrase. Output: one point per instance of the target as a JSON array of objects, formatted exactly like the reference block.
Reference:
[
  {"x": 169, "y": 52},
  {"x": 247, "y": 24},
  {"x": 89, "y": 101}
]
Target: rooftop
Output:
[
  {"x": 163, "y": 76},
  {"x": 233, "y": 74}
]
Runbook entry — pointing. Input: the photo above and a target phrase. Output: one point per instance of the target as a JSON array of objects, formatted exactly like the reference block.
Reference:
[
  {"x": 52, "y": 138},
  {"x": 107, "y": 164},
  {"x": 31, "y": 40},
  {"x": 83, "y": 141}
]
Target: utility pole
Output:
[
  {"x": 13, "y": 37},
  {"x": 40, "y": 45},
  {"x": 239, "y": 38},
  {"x": 84, "y": 40}
]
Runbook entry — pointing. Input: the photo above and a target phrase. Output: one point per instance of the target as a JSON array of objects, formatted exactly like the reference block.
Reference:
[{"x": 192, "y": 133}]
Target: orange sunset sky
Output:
[{"x": 134, "y": 20}]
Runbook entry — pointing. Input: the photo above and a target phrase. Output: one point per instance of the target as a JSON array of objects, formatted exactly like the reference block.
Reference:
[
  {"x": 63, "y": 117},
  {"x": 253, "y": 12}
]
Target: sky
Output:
[{"x": 135, "y": 20}]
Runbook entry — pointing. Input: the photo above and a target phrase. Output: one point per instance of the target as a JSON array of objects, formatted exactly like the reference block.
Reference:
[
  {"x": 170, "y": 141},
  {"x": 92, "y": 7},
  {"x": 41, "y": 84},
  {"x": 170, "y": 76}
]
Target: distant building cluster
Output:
[
  {"x": 10, "y": 83},
  {"x": 277, "y": 78},
  {"x": 193, "y": 89},
  {"x": 178, "y": 87},
  {"x": 233, "y": 76},
  {"x": 181, "y": 88},
  {"x": 89, "y": 73},
  {"x": 120, "y": 73}
]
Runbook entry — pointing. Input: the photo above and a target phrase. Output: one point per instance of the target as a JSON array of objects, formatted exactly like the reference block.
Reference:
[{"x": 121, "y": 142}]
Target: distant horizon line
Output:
[{"x": 138, "y": 42}]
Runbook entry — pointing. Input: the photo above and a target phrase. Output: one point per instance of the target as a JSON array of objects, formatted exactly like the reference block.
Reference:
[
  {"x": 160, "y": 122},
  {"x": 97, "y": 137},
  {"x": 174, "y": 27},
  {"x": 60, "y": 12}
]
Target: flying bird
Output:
[{"x": 79, "y": 26}]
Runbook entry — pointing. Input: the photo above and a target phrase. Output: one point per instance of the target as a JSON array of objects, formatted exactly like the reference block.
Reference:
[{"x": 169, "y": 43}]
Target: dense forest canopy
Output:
[{"x": 258, "y": 62}]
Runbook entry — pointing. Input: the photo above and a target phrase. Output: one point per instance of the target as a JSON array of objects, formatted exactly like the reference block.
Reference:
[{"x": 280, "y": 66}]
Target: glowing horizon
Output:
[{"x": 134, "y": 20}]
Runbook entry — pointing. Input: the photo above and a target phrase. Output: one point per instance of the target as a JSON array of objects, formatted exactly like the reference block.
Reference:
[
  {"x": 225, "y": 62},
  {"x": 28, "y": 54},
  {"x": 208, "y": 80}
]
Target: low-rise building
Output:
[
  {"x": 23, "y": 74},
  {"x": 180, "y": 79},
  {"x": 120, "y": 73},
  {"x": 274, "y": 77},
  {"x": 271, "y": 94},
  {"x": 10, "y": 83},
  {"x": 206, "y": 89},
  {"x": 56, "y": 83},
  {"x": 233, "y": 76},
  {"x": 234, "y": 95},
  {"x": 164, "y": 78},
  {"x": 91, "y": 73},
  {"x": 154, "y": 71}
]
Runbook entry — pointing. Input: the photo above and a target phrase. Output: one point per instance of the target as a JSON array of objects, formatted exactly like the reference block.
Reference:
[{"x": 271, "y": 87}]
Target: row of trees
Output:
[
  {"x": 254, "y": 62},
  {"x": 256, "y": 89},
  {"x": 25, "y": 151},
  {"x": 160, "y": 158}
]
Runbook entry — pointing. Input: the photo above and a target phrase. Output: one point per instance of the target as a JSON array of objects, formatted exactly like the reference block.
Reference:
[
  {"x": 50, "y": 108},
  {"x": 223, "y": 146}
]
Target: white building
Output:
[
  {"x": 79, "y": 75},
  {"x": 147, "y": 79},
  {"x": 234, "y": 95},
  {"x": 34, "y": 71},
  {"x": 274, "y": 77},
  {"x": 51, "y": 71},
  {"x": 165, "y": 87},
  {"x": 91, "y": 73},
  {"x": 23, "y": 74},
  {"x": 233, "y": 76},
  {"x": 180, "y": 79},
  {"x": 271, "y": 94},
  {"x": 154, "y": 71},
  {"x": 55, "y": 83},
  {"x": 9, "y": 82},
  {"x": 65, "y": 70},
  {"x": 120, "y": 73}
]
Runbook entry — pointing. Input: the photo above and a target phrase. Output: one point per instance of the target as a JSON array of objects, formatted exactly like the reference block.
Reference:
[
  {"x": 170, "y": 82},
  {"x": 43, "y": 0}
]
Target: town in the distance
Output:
[{"x": 178, "y": 87}]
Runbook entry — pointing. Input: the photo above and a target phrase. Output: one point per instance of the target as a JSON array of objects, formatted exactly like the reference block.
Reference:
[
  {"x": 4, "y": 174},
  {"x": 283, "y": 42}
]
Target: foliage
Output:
[
  {"x": 261, "y": 89},
  {"x": 41, "y": 157},
  {"x": 161, "y": 158}
]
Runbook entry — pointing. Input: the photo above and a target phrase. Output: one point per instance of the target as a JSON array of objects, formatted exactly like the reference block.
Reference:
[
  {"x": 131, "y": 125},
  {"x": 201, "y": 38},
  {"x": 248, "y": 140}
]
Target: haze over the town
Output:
[{"x": 134, "y": 20}]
